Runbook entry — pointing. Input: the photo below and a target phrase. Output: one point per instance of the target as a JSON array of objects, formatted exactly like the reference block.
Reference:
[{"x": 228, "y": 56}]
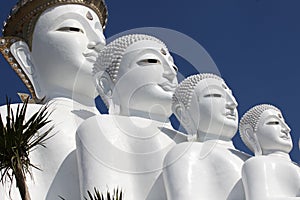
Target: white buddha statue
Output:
[
  {"x": 208, "y": 166},
  {"x": 126, "y": 148},
  {"x": 270, "y": 175},
  {"x": 52, "y": 46}
]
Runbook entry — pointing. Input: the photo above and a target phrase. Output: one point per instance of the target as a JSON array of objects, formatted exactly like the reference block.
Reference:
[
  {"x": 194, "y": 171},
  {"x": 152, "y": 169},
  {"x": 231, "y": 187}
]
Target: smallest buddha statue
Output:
[
  {"x": 270, "y": 174},
  {"x": 207, "y": 166}
]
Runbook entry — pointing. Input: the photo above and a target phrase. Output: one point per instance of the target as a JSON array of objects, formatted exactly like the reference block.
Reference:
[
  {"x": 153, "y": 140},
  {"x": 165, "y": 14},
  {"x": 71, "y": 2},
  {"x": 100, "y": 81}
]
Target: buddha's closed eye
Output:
[
  {"x": 273, "y": 123},
  {"x": 148, "y": 61},
  {"x": 175, "y": 68},
  {"x": 213, "y": 95},
  {"x": 70, "y": 29}
]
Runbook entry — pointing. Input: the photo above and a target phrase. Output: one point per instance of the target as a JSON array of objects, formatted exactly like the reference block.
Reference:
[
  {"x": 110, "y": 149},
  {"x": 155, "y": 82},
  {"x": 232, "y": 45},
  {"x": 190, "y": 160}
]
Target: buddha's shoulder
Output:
[
  {"x": 208, "y": 149},
  {"x": 187, "y": 147},
  {"x": 240, "y": 154},
  {"x": 91, "y": 124},
  {"x": 184, "y": 150},
  {"x": 254, "y": 162},
  {"x": 202, "y": 154},
  {"x": 108, "y": 119},
  {"x": 127, "y": 122},
  {"x": 123, "y": 126},
  {"x": 262, "y": 161}
]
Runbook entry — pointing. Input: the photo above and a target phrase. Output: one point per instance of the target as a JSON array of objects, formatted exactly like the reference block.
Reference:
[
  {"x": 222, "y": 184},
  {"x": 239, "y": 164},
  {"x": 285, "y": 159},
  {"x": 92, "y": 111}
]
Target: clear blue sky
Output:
[{"x": 254, "y": 43}]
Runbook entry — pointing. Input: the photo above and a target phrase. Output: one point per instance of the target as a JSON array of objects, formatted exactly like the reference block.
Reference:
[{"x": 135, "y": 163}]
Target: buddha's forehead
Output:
[
  {"x": 270, "y": 113},
  {"x": 60, "y": 13},
  {"x": 210, "y": 83},
  {"x": 145, "y": 44}
]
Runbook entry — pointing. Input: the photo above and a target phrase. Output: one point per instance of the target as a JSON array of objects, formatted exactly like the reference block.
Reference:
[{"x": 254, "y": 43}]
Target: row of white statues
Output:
[{"x": 57, "y": 48}]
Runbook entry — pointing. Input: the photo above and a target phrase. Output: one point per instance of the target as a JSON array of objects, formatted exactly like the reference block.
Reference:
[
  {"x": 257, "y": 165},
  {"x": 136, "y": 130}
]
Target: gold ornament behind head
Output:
[{"x": 24, "y": 15}]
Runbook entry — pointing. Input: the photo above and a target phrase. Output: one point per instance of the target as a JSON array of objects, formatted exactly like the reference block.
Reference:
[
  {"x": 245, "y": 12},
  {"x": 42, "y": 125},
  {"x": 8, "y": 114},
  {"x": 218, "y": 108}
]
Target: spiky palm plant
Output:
[
  {"x": 18, "y": 137},
  {"x": 116, "y": 195}
]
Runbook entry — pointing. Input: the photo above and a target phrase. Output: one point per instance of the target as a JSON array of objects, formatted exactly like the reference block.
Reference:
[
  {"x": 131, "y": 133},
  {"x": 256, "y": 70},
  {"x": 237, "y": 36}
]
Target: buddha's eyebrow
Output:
[{"x": 273, "y": 117}]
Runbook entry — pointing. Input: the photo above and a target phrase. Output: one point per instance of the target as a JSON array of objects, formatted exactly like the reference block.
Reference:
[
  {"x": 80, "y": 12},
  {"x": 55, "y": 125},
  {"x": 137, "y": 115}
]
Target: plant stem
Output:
[{"x": 21, "y": 183}]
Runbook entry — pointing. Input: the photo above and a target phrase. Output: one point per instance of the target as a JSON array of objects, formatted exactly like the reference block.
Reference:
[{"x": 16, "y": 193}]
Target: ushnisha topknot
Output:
[
  {"x": 111, "y": 56},
  {"x": 184, "y": 92},
  {"x": 252, "y": 117},
  {"x": 24, "y": 15}
]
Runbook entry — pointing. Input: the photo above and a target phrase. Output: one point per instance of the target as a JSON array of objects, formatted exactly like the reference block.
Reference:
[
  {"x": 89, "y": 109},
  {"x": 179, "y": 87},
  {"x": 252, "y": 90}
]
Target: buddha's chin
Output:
[{"x": 226, "y": 131}]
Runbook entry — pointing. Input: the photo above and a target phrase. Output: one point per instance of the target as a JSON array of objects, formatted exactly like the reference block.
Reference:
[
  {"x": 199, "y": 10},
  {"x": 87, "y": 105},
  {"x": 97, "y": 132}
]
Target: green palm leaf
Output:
[
  {"x": 116, "y": 195},
  {"x": 18, "y": 137}
]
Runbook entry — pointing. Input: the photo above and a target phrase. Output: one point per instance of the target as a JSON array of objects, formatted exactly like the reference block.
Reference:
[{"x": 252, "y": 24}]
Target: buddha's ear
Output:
[
  {"x": 182, "y": 115},
  {"x": 104, "y": 86},
  {"x": 22, "y": 54},
  {"x": 251, "y": 136},
  {"x": 179, "y": 111}
]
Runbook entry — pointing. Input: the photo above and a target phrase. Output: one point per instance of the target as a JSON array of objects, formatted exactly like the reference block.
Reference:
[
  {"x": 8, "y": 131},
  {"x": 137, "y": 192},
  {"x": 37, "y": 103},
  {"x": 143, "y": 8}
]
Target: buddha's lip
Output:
[
  {"x": 230, "y": 115},
  {"x": 91, "y": 56},
  {"x": 285, "y": 137},
  {"x": 167, "y": 86}
]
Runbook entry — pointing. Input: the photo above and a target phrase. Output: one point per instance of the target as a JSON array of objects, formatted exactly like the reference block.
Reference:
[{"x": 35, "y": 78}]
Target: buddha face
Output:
[
  {"x": 273, "y": 133},
  {"x": 213, "y": 109},
  {"x": 65, "y": 42},
  {"x": 146, "y": 80}
]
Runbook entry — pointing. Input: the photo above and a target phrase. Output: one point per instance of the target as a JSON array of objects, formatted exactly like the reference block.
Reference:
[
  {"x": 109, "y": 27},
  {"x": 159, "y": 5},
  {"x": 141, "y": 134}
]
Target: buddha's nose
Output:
[
  {"x": 231, "y": 102},
  {"x": 170, "y": 70},
  {"x": 98, "y": 43},
  {"x": 286, "y": 128},
  {"x": 97, "y": 46},
  {"x": 170, "y": 73}
]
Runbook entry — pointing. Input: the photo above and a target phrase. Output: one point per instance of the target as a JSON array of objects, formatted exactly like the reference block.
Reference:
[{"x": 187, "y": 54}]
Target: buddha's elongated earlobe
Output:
[
  {"x": 253, "y": 140},
  {"x": 17, "y": 54},
  {"x": 21, "y": 53},
  {"x": 104, "y": 86},
  {"x": 181, "y": 114}
]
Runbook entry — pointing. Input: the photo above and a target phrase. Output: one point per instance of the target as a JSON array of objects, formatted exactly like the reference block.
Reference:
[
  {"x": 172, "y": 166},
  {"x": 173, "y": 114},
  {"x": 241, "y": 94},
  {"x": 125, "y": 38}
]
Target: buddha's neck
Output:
[
  {"x": 216, "y": 139},
  {"x": 278, "y": 154},
  {"x": 85, "y": 97},
  {"x": 146, "y": 115},
  {"x": 207, "y": 137}
]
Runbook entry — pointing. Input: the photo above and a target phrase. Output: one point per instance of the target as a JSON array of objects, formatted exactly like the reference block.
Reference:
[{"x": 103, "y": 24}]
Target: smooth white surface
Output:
[
  {"x": 213, "y": 110},
  {"x": 126, "y": 148},
  {"x": 273, "y": 133},
  {"x": 144, "y": 89},
  {"x": 271, "y": 175},
  {"x": 211, "y": 113},
  {"x": 65, "y": 46},
  {"x": 114, "y": 152},
  {"x": 209, "y": 167},
  {"x": 209, "y": 170}
]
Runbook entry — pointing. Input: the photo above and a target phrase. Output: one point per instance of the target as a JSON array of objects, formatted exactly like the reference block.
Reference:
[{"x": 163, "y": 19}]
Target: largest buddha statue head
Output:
[{"x": 52, "y": 45}]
